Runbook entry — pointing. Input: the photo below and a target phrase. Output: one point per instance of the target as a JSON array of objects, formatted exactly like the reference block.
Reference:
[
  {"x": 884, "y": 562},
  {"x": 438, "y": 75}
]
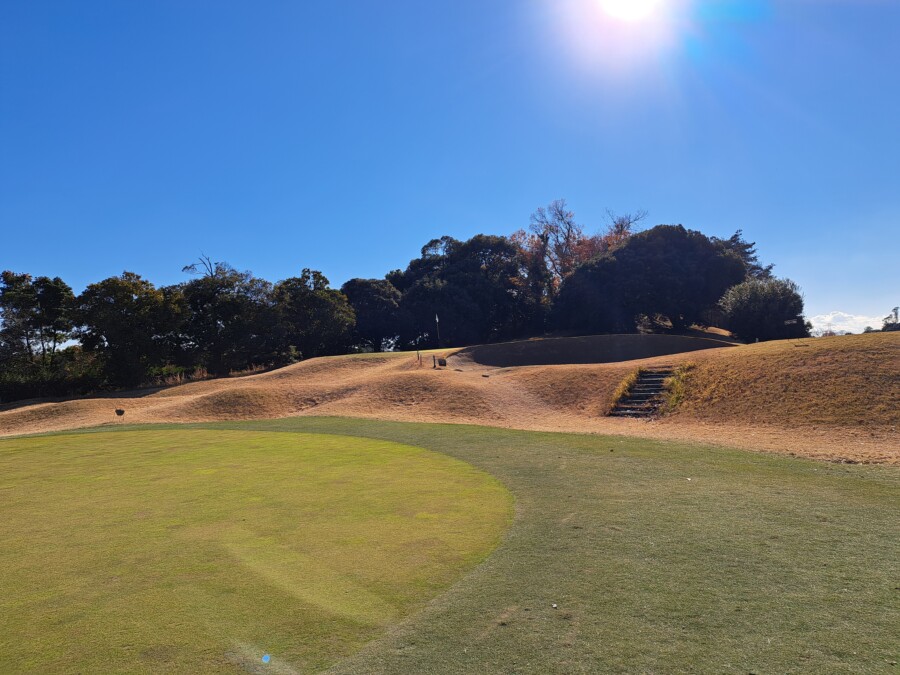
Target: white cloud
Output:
[{"x": 841, "y": 321}]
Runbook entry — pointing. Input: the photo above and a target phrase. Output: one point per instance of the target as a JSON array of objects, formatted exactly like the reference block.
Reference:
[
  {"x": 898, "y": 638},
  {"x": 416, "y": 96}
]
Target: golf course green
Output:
[
  {"x": 192, "y": 550},
  {"x": 363, "y": 546}
]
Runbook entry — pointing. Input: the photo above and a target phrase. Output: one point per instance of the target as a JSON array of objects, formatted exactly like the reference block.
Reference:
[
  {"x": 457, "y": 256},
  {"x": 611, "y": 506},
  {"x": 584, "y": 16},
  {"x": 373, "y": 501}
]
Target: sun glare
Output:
[
  {"x": 617, "y": 38},
  {"x": 630, "y": 10}
]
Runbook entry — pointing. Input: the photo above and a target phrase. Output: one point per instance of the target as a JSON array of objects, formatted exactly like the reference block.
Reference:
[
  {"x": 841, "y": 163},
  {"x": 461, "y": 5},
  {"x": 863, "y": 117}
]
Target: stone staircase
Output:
[{"x": 646, "y": 395}]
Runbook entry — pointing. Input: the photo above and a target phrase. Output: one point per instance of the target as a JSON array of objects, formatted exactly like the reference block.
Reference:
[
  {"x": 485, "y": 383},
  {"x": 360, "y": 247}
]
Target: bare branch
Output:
[{"x": 204, "y": 266}]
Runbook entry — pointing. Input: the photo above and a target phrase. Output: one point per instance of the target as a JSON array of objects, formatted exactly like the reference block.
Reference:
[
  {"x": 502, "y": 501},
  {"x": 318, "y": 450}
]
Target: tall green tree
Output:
[
  {"x": 230, "y": 320},
  {"x": 667, "y": 271},
  {"x": 479, "y": 288},
  {"x": 765, "y": 309},
  {"x": 315, "y": 320},
  {"x": 379, "y": 318},
  {"x": 675, "y": 272},
  {"x": 36, "y": 319},
  {"x": 592, "y": 299},
  {"x": 746, "y": 251},
  {"x": 124, "y": 321}
]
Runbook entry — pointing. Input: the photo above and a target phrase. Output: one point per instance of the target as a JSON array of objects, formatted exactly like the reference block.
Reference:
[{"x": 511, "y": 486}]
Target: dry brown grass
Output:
[
  {"x": 624, "y": 388},
  {"x": 839, "y": 381},
  {"x": 585, "y": 390},
  {"x": 834, "y": 398},
  {"x": 675, "y": 386}
]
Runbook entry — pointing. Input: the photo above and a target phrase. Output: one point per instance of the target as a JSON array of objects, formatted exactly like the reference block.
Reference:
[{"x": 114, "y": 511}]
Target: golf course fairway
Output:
[
  {"x": 193, "y": 550},
  {"x": 342, "y": 544}
]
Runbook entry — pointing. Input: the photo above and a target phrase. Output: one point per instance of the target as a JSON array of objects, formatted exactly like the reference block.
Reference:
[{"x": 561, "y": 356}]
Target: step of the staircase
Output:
[{"x": 646, "y": 395}]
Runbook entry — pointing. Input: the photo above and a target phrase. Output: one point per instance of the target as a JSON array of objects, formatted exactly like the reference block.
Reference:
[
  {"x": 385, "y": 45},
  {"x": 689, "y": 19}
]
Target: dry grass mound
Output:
[
  {"x": 831, "y": 398},
  {"x": 587, "y": 390},
  {"x": 428, "y": 393},
  {"x": 841, "y": 381}
]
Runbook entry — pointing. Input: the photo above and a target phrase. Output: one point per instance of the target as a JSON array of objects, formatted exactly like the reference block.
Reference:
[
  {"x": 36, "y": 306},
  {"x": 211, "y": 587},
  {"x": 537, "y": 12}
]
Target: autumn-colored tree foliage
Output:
[{"x": 555, "y": 244}]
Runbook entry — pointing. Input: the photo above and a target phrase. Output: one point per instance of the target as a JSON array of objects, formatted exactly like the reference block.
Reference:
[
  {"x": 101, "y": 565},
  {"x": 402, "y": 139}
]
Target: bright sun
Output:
[{"x": 630, "y": 10}]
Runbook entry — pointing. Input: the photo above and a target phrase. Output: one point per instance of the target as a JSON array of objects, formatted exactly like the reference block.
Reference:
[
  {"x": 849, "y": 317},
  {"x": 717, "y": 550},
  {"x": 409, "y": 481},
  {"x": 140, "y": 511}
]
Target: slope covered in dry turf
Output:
[
  {"x": 836, "y": 381},
  {"x": 831, "y": 398}
]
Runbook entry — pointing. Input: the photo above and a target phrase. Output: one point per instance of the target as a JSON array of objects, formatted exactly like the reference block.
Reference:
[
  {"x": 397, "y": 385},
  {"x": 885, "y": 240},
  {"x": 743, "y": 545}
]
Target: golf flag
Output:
[{"x": 436, "y": 319}]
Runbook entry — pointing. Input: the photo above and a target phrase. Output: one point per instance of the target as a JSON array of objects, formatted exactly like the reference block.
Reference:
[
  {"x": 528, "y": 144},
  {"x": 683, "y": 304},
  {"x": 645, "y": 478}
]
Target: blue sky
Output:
[{"x": 344, "y": 135}]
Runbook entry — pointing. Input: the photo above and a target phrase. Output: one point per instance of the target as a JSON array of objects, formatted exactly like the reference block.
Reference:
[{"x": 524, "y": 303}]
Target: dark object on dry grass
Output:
[{"x": 120, "y": 412}]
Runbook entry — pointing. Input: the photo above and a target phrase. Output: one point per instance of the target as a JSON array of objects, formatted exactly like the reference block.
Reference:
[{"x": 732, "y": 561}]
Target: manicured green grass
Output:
[
  {"x": 759, "y": 563},
  {"x": 658, "y": 557},
  {"x": 193, "y": 550}
]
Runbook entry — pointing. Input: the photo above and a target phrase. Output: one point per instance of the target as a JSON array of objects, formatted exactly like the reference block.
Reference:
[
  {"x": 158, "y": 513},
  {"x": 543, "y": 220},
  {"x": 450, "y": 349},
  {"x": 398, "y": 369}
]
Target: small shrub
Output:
[{"x": 676, "y": 386}]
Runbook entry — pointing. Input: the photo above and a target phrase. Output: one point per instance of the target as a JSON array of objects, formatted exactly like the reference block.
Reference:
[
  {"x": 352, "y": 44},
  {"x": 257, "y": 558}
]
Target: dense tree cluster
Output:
[
  {"x": 765, "y": 309},
  {"x": 667, "y": 271},
  {"x": 124, "y": 331}
]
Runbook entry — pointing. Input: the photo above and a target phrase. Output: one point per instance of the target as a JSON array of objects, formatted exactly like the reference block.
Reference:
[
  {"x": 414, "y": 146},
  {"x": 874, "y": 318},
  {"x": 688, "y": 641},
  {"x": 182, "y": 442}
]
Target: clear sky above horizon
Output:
[{"x": 344, "y": 136}]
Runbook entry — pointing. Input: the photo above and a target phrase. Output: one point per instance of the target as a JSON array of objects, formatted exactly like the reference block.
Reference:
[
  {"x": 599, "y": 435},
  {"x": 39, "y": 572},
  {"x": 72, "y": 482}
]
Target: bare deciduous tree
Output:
[
  {"x": 204, "y": 266},
  {"x": 555, "y": 225},
  {"x": 560, "y": 241},
  {"x": 622, "y": 226}
]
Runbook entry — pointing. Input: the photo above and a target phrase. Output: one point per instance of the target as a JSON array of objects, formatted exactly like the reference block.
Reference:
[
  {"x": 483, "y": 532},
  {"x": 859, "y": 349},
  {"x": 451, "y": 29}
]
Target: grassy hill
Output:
[
  {"x": 843, "y": 392},
  {"x": 851, "y": 380}
]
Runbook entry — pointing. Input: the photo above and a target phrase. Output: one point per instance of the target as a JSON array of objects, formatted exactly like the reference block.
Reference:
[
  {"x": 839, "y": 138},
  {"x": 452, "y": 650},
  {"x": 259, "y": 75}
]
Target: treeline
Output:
[
  {"x": 889, "y": 324},
  {"x": 124, "y": 331}
]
